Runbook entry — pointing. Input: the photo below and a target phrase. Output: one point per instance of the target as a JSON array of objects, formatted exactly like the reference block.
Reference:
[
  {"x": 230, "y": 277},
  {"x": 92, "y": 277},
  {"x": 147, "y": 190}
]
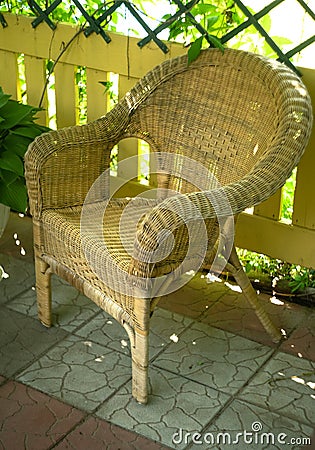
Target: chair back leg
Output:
[{"x": 236, "y": 269}]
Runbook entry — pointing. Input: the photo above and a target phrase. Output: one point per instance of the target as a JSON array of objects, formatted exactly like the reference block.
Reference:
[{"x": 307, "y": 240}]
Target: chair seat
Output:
[
  {"x": 93, "y": 262},
  {"x": 96, "y": 242}
]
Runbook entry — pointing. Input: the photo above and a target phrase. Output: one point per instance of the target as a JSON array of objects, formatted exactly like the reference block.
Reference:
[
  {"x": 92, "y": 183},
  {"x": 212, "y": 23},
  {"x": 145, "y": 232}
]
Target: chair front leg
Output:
[
  {"x": 43, "y": 290},
  {"x": 140, "y": 362}
]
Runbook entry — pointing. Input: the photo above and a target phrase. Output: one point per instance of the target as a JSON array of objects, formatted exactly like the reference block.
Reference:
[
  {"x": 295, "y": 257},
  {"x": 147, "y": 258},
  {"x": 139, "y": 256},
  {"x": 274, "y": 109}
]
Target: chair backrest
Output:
[{"x": 225, "y": 110}]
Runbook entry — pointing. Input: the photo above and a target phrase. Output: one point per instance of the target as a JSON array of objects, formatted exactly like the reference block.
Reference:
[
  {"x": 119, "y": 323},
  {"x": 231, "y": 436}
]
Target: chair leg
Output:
[
  {"x": 43, "y": 291},
  {"x": 140, "y": 361},
  {"x": 250, "y": 294}
]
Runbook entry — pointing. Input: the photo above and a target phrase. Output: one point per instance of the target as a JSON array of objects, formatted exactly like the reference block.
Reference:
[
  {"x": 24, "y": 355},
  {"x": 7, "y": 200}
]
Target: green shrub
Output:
[{"x": 17, "y": 130}]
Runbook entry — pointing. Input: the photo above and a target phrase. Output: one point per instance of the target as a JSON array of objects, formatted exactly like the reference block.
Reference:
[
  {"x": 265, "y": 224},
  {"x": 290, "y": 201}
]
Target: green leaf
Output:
[
  {"x": 4, "y": 98},
  {"x": 14, "y": 113},
  {"x": 177, "y": 28},
  {"x": 280, "y": 41},
  {"x": 10, "y": 161},
  {"x": 49, "y": 65},
  {"x": 203, "y": 8},
  {"x": 216, "y": 42},
  {"x": 211, "y": 21},
  {"x": 236, "y": 18},
  {"x": 296, "y": 286},
  {"x": 166, "y": 17},
  {"x": 29, "y": 132},
  {"x": 14, "y": 195},
  {"x": 265, "y": 22},
  {"x": 107, "y": 84},
  {"x": 194, "y": 50},
  {"x": 115, "y": 18},
  {"x": 29, "y": 119},
  {"x": 16, "y": 144},
  {"x": 77, "y": 78},
  {"x": 7, "y": 176}
]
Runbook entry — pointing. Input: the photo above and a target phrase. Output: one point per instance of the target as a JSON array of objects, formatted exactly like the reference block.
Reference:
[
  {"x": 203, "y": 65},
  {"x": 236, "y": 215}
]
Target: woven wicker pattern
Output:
[{"x": 244, "y": 118}]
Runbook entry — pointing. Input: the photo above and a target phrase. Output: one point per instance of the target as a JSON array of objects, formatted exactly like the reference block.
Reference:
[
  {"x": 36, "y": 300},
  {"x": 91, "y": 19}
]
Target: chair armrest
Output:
[
  {"x": 61, "y": 166},
  {"x": 265, "y": 178}
]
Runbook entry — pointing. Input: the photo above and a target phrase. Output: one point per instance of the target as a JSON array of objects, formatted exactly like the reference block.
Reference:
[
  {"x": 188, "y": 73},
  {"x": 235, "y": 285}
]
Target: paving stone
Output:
[
  {"x": 18, "y": 235},
  {"x": 214, "y": 357},
  {"x": 244, "y": 426},
  {"x": 234, "y": 314},
  {"x": 69, "y": 308},
  {"x": 286, "y": 385},
  {"x": 301, "y": 342},
  {"x": 96, "y": 434},
  {"x": 195, "y": 297},
  {"x": 191, "y": 391},
  {"x": 31, "y": 420},
  {"x": 79, "y": 372},
  {"x": 17, "y": 277},
  {"x": 23, "y": 339},
  {"x": 105, "y": 330},
  {"x": 311, "y": 445},
  {"x": 174, "y": 402}
]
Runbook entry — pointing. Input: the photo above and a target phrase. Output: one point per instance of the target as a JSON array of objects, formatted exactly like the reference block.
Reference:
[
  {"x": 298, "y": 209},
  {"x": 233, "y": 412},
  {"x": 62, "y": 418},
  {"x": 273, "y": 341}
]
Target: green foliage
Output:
[
  {"x": 17, "y": 131},
  {"x": 302, "y": 278},
  {"x": 299, "y": 278},
  {"x": 216, "y": 17},
  {"x": 195, "y": 49},
  {"x": 260, "y": 263},
  {"x": 64, "y": 12},
  {"x": 110, "y": 90},
  {"x": 80, "y": 78},
  {"x": 287, "y": 198}
]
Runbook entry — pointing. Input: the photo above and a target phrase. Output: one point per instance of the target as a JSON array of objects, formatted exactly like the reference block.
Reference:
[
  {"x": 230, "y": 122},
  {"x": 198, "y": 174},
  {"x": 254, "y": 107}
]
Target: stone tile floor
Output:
[{"x": 217, "y": 381}]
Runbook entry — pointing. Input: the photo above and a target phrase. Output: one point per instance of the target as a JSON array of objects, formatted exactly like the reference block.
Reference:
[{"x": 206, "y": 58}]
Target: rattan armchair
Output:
[{"x": 244, "y": 118}]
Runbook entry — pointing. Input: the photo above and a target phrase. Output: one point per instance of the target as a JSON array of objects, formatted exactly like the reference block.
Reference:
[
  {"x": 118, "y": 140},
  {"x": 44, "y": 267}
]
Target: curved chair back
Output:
[{"x": 228, "y": 111}]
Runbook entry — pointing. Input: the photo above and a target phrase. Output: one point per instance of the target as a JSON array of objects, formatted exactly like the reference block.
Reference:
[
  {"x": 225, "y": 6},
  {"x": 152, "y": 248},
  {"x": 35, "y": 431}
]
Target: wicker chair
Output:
[{"x": 244, "y": 118}]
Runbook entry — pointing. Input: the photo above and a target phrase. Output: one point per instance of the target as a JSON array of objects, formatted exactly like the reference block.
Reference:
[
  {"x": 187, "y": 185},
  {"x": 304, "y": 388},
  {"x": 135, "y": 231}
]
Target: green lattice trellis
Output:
[{"x": 98, "y": 24}]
